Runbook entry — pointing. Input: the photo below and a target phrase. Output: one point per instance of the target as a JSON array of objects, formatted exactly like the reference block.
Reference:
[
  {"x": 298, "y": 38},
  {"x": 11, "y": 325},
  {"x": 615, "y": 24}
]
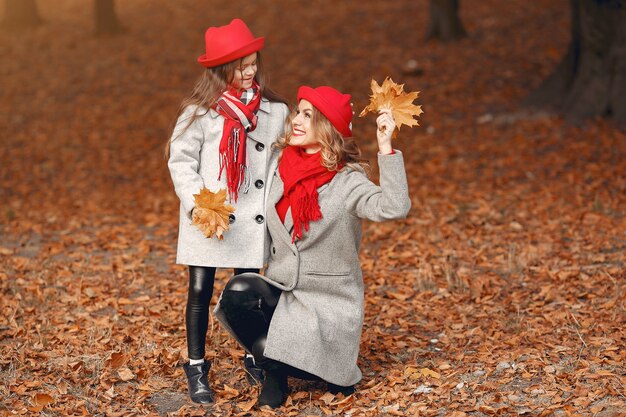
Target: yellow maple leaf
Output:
[
  {"x": 211, "y": 213},
  {"x": 390, "y": 95}
]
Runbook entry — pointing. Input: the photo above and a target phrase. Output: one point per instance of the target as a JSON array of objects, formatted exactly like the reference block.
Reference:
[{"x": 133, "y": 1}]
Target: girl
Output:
[
  {"x": 304, "y": 317},
  {"x": 222, "y": 140}
]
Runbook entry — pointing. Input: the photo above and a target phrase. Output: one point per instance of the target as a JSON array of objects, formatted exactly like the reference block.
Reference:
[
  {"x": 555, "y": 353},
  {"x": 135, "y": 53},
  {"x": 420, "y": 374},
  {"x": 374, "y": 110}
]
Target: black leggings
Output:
[
  {"x": 201, "y": 280},
  {"x": 248, "y": 303}
]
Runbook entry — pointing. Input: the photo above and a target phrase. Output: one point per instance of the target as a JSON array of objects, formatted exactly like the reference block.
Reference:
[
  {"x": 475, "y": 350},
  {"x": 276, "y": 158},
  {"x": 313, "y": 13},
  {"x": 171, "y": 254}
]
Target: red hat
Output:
[
  {"x": 333, "y": 104},
  {"x": 229, "y": 42}
]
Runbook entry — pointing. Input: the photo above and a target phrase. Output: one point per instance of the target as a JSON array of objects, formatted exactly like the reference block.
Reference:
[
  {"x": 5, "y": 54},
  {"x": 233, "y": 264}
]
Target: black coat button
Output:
[
  {"x": 258, "y": 184},
  {"x": 231, "y": 218},
  {"x": 259, "y": 219},
  {"x": 259, "y": 147},
  {"x": 274, "y": 250}
]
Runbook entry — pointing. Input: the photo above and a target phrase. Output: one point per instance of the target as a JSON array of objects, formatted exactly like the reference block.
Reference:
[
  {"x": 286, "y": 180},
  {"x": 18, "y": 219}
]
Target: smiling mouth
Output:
[{"x": 297, "y": 132}]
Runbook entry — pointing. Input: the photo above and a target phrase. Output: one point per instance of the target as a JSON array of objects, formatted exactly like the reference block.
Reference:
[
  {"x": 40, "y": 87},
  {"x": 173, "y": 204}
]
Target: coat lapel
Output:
[
  {"x": 273, "y": 221},
  {"x": 289, "y": 221},
  {"x": 272, "y": 170}
]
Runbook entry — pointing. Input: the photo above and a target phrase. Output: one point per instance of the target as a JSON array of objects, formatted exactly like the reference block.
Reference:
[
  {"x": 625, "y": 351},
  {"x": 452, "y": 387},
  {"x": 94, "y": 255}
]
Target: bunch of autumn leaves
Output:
[{"x": 211, "y": 214}]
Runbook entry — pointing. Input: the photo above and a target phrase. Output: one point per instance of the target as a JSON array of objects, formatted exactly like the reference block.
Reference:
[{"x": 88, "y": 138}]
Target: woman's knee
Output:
[
  {"x": 239, "y": 282},
  {"x": 246, "y": 282},
  {"x": 253, "y": 283}
]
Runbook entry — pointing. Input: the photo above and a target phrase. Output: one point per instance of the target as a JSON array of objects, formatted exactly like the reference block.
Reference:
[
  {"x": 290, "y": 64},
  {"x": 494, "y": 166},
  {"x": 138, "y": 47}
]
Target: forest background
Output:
[{"x": 502, "y": 293}]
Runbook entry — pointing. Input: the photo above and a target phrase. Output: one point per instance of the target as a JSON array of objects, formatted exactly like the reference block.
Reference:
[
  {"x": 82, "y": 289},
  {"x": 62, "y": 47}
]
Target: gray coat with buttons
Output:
[
  {"x": 317, "y": 323},
  {"x": 194, "y": 163}
]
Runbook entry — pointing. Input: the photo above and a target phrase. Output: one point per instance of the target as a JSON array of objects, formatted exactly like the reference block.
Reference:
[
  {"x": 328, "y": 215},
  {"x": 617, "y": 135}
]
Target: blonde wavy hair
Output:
[{"x": 337, "y": 152}]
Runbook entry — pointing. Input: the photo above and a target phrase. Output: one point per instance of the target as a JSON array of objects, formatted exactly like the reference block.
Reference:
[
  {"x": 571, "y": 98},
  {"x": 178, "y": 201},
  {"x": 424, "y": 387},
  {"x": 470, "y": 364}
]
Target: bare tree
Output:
[
  {"x": 444, "y": 22},
  {"x": 590, "y": 80},
  {"x": 107, "y": 22},
  {"x": 20, "y": 14}
]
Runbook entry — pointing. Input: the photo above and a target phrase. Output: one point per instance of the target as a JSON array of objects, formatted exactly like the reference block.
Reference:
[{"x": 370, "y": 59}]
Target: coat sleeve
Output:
[
  {"x": 388, "y": 201},
  {"x": 184, "y": 161}
]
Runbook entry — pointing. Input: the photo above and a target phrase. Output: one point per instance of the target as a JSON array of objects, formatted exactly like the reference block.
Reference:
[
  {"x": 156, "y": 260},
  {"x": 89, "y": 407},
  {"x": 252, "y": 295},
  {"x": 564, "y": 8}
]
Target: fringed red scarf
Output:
[
  {"x": 239, "y": 111},
  {"x": 302, "y": 175}
]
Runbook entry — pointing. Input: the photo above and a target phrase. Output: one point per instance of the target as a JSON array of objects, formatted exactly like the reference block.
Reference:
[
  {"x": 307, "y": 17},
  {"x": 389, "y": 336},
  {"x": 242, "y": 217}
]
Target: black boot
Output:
[
  {"x": 336, "y": 389},
  {"x": 274, "y": 390},
  {"x": 199, "y": 390}
]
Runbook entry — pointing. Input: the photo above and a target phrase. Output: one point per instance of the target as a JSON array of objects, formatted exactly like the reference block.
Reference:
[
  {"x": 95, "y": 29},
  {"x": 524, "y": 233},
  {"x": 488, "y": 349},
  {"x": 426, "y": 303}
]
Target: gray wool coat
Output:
[
  {"x": 317, "y": 323},
  {"x": 194, "y": 163}
]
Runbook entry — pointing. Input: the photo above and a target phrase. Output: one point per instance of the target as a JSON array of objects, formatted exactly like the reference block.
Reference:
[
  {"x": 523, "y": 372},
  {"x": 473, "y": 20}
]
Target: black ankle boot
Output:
[
  {"x": 197, "y": 382},
  {"x": 336, "y": 389},
  {"x": 274, "y": 390}
]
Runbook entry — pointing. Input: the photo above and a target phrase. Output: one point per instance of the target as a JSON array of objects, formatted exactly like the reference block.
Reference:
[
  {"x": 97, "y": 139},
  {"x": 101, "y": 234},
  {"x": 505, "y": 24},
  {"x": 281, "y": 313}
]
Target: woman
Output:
[
  {"x": 222, "y": 140},
  {"x": 304, "y": 317}
]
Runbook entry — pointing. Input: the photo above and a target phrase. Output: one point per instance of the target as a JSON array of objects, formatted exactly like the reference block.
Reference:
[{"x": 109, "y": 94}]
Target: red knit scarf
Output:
[
  {"x": 239, "y": 119},
  {"x": 302, "y": 175}
]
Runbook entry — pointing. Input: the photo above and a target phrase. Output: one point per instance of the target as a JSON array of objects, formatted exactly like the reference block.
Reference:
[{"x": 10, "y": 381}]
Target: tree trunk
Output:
[
  {"x": 107, "y": 22},
  {"x": 590, "y": 81},
  {"x": 444, "y": 22},
  {"x": 20, "y": 14}
]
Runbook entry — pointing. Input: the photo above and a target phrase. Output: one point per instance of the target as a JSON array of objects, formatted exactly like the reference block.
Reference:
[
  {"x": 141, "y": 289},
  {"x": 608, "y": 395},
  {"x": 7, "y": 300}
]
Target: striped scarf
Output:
[{"x": 239, "y": 111}]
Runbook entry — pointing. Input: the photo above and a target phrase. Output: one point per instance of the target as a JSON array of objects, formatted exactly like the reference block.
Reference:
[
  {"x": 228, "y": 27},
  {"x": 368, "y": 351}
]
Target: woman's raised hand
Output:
[{"x": 386, "y": 126}]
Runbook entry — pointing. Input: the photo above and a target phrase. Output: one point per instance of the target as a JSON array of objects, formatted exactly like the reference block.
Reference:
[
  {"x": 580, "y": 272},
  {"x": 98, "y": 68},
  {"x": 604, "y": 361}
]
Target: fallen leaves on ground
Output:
[{"x": 506, "y": 280}]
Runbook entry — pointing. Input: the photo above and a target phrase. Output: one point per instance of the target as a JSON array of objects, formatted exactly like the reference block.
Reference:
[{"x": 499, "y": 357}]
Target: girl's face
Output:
[
  {"x": 303, "y": 134},
  {"x": 244, "y": 74}
]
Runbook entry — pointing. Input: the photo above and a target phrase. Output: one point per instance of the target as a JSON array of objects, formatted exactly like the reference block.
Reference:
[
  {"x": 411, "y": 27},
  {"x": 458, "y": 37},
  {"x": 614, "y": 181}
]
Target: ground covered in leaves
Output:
[{"x": 502, "y": 293}]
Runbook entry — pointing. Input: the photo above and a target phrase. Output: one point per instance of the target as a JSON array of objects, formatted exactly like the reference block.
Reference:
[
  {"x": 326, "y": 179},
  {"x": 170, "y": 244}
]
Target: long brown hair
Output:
[
  {"x": 210, "y": 86},
  {"x": 336, "y": 150}
]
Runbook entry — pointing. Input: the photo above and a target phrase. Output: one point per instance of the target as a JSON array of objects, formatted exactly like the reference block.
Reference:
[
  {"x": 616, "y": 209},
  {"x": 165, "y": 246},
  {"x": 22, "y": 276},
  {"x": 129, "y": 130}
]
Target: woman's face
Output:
[
  {"x": 302, "y": 133},
  {"x": 244, "y": 74}
]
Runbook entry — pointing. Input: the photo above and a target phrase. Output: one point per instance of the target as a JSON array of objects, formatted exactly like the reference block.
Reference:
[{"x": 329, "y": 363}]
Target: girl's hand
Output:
[{"x": 386, "y": 126}]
